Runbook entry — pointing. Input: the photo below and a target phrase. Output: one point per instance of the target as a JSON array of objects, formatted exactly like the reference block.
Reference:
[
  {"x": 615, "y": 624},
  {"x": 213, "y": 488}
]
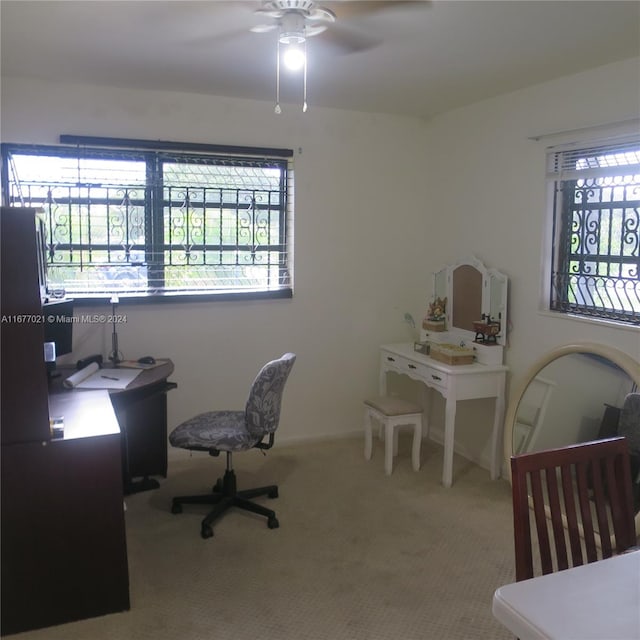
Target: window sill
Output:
[
  {"x": 179, "y": 298},
  {"x": 602, "y": 322}
]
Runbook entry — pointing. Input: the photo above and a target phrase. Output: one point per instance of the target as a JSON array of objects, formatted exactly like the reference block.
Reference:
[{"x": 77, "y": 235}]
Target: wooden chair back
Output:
[{"x": 580, "y": 494}]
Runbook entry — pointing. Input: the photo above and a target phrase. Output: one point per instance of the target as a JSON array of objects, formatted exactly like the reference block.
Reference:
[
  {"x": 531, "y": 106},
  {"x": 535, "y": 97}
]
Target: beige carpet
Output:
[{"x": 358, "y": 555}]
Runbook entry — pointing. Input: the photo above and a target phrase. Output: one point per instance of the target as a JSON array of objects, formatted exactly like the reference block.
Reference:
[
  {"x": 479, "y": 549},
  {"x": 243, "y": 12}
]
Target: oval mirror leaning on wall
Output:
[{"x": 567, "y": 397}]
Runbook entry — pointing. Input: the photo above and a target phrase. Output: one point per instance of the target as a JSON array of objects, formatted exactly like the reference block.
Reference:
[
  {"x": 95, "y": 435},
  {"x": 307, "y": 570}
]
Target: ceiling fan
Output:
[
  {"x": 298, "y": 20},
  {"x": 295, "y": 21}
]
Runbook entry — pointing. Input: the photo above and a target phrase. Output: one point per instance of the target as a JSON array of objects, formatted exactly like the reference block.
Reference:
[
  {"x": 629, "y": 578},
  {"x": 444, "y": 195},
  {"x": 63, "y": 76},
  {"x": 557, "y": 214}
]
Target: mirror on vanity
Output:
[
  {"x": 566, "y": 398},
  {"x": 475, "y": 310}
]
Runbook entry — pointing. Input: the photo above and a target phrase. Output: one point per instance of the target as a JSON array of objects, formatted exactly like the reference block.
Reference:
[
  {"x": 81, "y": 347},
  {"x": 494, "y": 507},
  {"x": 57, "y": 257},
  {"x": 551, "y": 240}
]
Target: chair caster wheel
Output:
[
  {"x": 206, "y": 531},
  {"x": 176, "y": 507},
  {"x": 273, "y": 494},
  {"x": 273, "y": 523}
]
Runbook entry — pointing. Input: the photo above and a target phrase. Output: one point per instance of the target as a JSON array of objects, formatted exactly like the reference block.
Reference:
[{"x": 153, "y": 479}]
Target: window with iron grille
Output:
[
  {"x": 158, "y": 222},
  {"x": 596, "y": 231}
]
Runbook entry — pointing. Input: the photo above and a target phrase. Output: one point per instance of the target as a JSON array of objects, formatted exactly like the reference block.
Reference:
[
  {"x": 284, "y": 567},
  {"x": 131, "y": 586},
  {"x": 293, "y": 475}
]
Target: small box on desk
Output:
[
  {"x": 451, "y": 354},
  {"x": 421, "y": 347}
]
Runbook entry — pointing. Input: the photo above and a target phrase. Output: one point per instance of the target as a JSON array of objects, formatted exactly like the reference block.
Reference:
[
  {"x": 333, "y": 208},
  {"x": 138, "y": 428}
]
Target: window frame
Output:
[
  {"x": 564, "y": 212},
  {"x": 166, "y": 151}
]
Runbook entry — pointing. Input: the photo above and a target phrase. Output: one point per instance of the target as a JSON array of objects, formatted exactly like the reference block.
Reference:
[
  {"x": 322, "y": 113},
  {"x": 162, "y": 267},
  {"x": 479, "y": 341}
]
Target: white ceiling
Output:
[{"x": 430, "y": 58}]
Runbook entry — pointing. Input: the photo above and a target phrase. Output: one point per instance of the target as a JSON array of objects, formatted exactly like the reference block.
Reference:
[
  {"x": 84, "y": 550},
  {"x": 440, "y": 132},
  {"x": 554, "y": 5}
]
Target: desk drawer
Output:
[
  {"x": 416, "y": 370},
  {"x": 390, "y": 360},
  {"x": 431, "y": 376}
]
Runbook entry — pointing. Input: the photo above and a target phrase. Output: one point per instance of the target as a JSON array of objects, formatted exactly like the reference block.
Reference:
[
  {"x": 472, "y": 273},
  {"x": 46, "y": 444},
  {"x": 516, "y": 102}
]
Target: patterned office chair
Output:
[{"x": 232, "y": 431}]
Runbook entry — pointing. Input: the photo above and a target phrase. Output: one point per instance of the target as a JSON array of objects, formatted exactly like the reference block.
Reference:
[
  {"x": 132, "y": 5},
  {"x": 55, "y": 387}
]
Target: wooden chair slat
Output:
[
  {"x": 588, "y": 530},
  {"x": 556, "y": 518},
  {"x": 540, "y": 515},
  {"x": 568, "y": 492},
  {"x": 600, "y": 503}
]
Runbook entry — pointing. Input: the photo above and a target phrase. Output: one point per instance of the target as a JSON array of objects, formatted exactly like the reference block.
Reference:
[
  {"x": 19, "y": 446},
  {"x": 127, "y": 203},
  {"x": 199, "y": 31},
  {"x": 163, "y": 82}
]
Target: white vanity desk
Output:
[
  {"x": 463, "y": 293},
  {"x": 454, "y": 383}
]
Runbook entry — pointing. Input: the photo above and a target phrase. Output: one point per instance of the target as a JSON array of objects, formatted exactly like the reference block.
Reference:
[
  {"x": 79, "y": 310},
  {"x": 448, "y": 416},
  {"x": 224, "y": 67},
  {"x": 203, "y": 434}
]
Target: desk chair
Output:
[
  {"x": 233, "y": 431},
  {"x": 568, "y": 489}
]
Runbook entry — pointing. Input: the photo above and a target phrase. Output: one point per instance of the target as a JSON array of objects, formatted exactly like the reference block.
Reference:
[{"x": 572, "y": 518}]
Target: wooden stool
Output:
[{"x": 391, "y": 413}]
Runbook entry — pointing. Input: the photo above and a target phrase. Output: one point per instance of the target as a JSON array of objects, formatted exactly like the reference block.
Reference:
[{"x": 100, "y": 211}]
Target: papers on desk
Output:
[
  {"x": 134, "y": 364},
  {"x": 93, "y": 377}
]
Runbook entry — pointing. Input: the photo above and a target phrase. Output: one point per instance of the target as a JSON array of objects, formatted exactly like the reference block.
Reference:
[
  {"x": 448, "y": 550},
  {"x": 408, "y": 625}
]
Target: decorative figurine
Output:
[
  {"x": 487, "y": 330},
  {"x": 436, "y": 314}
]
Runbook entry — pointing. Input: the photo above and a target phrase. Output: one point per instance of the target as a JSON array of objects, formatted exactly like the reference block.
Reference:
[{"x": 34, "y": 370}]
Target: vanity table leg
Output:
[
  {"x": 496, "y": 436},
  {"x": 382, "y": 382},
  {"x": 449, "y": 432},
  {"x": 426, "y": 412}
]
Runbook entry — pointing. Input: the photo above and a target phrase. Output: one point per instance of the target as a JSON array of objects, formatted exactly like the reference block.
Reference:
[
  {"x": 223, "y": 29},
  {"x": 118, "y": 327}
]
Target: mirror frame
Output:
[
  {"x": 494, "y": 294},
  {"x": 630, "y": 366}
]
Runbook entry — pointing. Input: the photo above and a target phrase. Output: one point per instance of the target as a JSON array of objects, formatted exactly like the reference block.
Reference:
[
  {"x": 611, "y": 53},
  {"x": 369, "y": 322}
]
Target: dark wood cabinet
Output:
[
  {"x": 64, "y": 554},
  {"x": 24, "y": 414},
  {"x": 142, "y": 415},
  {"x": 63, "y": 547}
]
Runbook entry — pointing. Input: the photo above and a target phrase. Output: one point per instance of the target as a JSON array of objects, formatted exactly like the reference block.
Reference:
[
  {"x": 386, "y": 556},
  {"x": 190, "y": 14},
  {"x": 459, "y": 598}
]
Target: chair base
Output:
[{"x": 224, "y": 496}]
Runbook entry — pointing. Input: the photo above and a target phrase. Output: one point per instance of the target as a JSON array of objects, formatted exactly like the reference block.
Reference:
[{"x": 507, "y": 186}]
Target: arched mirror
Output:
[
  {"x": 566, "y": 397},
  {"x": 466, "y": 303}
]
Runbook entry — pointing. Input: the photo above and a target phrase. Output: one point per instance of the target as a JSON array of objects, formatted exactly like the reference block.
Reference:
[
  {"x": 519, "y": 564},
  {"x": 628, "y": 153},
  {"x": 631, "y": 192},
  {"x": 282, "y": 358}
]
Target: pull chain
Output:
[
  {"x": 278, "y": 110},
  {"x": 304, "y": 81}
]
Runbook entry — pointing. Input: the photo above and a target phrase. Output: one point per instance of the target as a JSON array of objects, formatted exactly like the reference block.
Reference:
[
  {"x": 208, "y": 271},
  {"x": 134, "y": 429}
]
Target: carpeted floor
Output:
[{"x": 358, "y": 555}]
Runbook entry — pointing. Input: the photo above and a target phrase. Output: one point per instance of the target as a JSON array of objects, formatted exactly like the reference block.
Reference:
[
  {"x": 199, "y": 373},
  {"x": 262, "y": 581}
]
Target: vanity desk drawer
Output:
[
  {"x": 434, "y": 377},
  {"x": 430, "y": 376},
  {"x": 421, "y": 371}
]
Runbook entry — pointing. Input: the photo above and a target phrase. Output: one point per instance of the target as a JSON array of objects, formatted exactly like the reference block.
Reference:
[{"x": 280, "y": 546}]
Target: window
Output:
[
  {"x": 152, "y": 220},
  {"x": 596, "y": 231}
]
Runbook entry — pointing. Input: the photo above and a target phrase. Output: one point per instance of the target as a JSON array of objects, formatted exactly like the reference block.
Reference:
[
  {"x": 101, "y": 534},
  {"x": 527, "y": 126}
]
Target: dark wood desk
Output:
[
  {"x": 141, "y": 410},
  {"x": 64, "y": 551}
]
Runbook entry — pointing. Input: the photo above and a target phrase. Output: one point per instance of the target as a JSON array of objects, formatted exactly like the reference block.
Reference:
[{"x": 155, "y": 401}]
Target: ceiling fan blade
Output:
[
  {"x": 314, "y": 31},
  {"x": 276, "y": 14},
  {"x": 353, "y": 8},
  {"x": 263, "y": 28},
  {"x": 345, "y": 40},
  {"x": 322, "y": 14}
]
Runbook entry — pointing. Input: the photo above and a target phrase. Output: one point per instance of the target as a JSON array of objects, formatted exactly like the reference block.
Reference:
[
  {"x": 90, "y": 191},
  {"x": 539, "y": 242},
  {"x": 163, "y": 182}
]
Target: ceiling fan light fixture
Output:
[
  {"x": 292, "y": 28},
  {"x": 292, "y": 37},
  {"x": 294, "y": 58},
  {"x": 297, "y": 56},
  {"x": 293, "y": 23}
]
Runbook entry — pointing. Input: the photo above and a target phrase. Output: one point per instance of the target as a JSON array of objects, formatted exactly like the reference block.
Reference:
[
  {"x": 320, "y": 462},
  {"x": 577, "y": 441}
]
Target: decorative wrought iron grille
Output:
[
  {"x": 596, "y": 262},
  {"x": 153, "y": 222}
]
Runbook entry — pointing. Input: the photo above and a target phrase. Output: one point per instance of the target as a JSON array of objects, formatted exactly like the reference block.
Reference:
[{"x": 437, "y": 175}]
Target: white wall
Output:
[
  {"x": 488, "y": 198},
  {"x": 359, "y": 248},
  {"x": 381, "y": 202}
]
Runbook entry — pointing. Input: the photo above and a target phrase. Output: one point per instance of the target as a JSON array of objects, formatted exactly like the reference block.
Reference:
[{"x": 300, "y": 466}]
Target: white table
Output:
[
  {"x": 454, "y": 383},
  {"x": 597, "y": 601}
]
